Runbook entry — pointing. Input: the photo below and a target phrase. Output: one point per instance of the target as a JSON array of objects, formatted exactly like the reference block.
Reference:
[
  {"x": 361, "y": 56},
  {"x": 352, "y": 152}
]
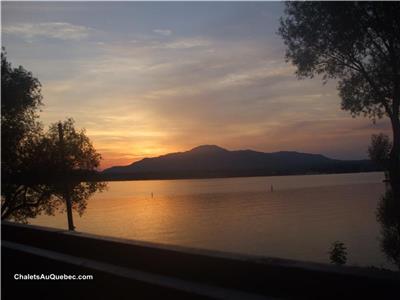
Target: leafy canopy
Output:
[
  {"x": 379, "y": 150},
  {"x": 20, "y": 100},
  {"x": 75, "y": 154},
  {"x": 355, "y": 42},
  {"x": 37, "y": 168},
  {"x": 338, "y": 253}
]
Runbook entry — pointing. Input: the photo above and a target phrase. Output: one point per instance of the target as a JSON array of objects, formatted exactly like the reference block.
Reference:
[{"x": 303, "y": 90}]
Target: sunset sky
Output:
[{"x": 146, "y": 79}]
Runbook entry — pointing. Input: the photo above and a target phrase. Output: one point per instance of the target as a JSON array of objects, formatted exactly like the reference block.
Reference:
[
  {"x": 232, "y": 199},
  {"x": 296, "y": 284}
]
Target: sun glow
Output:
[{"x": 151, "y": 90}]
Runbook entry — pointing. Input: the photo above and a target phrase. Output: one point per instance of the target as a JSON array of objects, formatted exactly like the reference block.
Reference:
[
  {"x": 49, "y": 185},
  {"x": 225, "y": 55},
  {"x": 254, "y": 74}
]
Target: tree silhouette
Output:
[
  {"x": 388, "y": 215},
  {"x": 359, "y": 44},
  {"x": 338, "y": 253},
  {"x": 37, "y": 172},
  {"x": 379, "y": 150},
  {"x": 47, "y": 177},
  {"x": 20, "y": 100},
  {"x": 76, "y": 156}
]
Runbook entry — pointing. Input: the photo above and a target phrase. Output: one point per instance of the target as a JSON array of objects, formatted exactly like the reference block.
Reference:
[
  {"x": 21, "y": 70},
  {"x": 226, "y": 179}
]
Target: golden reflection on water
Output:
[{"x": 299, "y": 220}]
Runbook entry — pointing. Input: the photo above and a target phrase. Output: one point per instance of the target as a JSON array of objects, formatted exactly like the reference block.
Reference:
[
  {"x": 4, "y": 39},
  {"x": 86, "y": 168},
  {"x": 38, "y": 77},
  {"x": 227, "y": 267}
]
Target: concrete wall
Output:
[{"x": 217, "y": 274}]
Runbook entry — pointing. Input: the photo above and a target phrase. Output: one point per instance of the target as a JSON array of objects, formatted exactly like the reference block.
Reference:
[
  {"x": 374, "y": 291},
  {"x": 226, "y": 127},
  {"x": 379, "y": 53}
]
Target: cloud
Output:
[
  {"x": 186, "y": 43},
  {"x": 145, "y": 90},
  {"x": 164, "y": 32},
  {"x": 54, "y": 30},
  {"x": 154, "y": 97},
  {"x": 248, "y": 77}
]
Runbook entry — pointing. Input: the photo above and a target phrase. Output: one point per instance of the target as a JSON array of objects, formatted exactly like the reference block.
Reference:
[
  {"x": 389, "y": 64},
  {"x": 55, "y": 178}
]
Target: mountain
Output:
[{"x": 213, "y": 161}]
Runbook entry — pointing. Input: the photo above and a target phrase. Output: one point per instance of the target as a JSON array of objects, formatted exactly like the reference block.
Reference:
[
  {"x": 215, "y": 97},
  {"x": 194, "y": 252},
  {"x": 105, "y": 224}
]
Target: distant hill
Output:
[{"x": 213, "y": 161}]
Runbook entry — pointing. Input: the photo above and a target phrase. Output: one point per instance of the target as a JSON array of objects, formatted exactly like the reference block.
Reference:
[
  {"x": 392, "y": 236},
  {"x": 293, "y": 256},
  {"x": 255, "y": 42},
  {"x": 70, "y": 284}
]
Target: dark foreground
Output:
[{"x": 124, "y": 269}]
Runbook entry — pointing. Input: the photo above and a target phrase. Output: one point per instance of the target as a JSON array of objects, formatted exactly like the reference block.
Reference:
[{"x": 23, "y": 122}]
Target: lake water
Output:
[{"x": 298, "y": 220}]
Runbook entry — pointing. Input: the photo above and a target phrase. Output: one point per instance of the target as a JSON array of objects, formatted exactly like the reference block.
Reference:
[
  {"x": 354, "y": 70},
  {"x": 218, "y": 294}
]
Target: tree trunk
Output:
[{"x": 66, "y": 195}]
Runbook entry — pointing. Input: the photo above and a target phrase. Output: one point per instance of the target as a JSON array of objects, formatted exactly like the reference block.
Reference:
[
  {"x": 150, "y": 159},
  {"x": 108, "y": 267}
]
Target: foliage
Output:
[
  {"x": 49, "y": 175},
  {"x": 357, "y": 43},
  {"x": 37, "y": 169},
  {"x": 379, "y": 150},
  {"x": 76, "y": 152},
  {"x": 388, "y": 215},
  {"x": 338, "y": 253},
  {"x": 20, "y": 100},
  {"x": 23, "y": 201}
]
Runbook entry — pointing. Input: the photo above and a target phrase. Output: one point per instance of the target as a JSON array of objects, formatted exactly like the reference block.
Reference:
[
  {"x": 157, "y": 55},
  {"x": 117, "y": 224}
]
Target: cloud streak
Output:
[
  {"x": 164, "y": 32},
  {"x": 54, "y": 30},
  {"x": 144, "y": 87}
]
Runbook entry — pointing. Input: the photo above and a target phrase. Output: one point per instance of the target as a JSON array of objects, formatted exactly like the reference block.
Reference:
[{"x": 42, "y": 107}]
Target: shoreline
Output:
[{"x": 147, "y": 177}]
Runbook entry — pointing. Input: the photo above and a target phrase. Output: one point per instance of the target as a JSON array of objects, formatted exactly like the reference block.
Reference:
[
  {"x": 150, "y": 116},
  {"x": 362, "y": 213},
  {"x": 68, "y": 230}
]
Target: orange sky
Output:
[{"x": 145, "y": 83}]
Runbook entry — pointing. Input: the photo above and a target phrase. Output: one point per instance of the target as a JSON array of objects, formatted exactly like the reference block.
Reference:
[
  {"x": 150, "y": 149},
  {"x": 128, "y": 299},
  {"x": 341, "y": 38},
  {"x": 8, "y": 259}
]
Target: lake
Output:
[{"x": 299, "y": 219}]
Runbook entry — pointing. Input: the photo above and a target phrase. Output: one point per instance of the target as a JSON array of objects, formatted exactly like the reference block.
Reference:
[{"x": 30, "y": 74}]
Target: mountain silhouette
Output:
[{"x": 214, "y": 161}]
